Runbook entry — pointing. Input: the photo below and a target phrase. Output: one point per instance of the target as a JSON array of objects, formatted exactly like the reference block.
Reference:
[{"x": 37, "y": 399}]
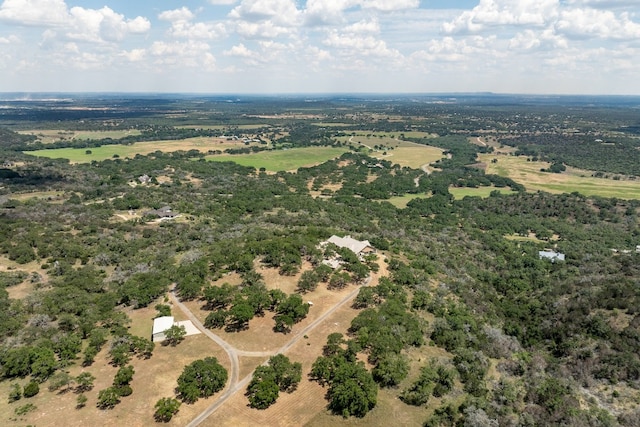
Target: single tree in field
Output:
[
  {"x": 174, "y": 335},
  {"x": 166, "y": 408},
  {"x": 201, "y": 378}
]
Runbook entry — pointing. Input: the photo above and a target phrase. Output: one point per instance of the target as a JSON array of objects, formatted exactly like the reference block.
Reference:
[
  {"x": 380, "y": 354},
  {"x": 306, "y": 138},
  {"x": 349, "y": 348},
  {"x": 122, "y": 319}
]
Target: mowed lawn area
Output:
[
  {"x": 86, "y": 155},
  {"x": 572, "y": 180},
  {"x": 283, "y": 160}
]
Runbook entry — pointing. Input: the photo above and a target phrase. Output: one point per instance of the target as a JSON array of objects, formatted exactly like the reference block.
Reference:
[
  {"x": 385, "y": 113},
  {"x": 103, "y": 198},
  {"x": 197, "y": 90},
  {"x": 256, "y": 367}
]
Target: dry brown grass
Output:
[{"x": 154, "y": 378}]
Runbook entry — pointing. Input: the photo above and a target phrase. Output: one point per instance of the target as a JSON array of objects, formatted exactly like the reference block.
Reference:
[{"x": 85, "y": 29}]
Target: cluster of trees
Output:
[
  {"x": 201, "y": 378},
  {"x": 280, "y": 374},
  {"x": 617, "y": 155},
  {"x": 235, "y": 306},
  {"x": 109, "y": 397}
]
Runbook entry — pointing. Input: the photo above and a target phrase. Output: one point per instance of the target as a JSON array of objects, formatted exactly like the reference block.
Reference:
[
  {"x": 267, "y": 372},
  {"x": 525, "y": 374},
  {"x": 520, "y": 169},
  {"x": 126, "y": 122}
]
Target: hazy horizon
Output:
[{"x": 541, "y": 47}]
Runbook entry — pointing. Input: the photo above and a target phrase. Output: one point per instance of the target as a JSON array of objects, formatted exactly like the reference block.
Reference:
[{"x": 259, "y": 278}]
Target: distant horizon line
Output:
[{"x": 323, "y": 94}]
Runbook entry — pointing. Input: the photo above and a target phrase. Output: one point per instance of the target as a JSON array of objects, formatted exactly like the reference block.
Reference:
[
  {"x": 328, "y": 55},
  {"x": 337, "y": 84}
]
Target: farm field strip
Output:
[
  {"x": 53, "y": 135},
  {"x": 573, "y": 180},
  {"x": 104, "y": 152},
  {"x": 283, "y": 160}
]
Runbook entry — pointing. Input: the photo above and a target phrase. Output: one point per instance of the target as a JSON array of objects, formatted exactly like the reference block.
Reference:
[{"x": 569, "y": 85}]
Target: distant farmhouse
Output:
[
  {"x": 164, "y": 212},
  {"x": 552, "y": 256},
  {"x": 360, "y": 248},
  {"x": 356, "y": 246}
]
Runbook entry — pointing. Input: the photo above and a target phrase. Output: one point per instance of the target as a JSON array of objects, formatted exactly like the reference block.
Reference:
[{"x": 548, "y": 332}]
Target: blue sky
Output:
[{"x": 320, "y": 46}]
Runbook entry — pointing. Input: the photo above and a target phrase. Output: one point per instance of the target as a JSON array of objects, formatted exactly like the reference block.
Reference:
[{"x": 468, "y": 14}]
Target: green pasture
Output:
[
  {"x": 223, "y": 127},
  {"x": 283, "y": 160},
  {"x": 462, "y": 192},
  {"x": 401, "y": 202},
  {"x": 573, "y": 180},
  {"x": 86, "y": 155}
]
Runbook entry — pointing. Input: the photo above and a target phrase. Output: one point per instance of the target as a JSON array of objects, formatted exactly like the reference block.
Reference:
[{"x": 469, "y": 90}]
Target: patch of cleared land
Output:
[
  {"x": 79, "y": 155},
  {"x": 283, "y": 160},
  {"x": 51, "y": 196},
  {"x": 401, "y": 202},
  {"x": 48, "y": 136},
  {"x": 528, "y": 174},
  {"x": 461, "y": 192}
]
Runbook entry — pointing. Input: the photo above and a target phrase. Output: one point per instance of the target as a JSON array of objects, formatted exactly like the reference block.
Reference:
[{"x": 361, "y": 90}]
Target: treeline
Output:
[{"x": 613, "y": 155}]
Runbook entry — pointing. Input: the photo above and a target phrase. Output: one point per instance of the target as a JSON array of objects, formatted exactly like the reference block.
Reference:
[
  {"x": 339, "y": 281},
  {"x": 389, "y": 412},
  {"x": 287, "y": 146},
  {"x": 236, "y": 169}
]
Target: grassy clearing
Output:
[
  {"x": 79, "y": 155},
  {"x": 572, "y": 180},
  {"x": 222, "y": 127},
  {"x": 48, "y": 136},
  {"x": 401, "y": 202},
  {"x": 518, "y": 238},
  {"x": 462, "y": 192},
  {"x": 50, "y": 196},
  {"x": 283, "y": 160},
  {"x": 403, "y": 153}
]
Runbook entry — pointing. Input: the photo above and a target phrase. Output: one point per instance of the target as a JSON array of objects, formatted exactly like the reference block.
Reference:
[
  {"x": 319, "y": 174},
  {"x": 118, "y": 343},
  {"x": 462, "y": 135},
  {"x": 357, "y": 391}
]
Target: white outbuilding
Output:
[{"x": 160, "y": 325}]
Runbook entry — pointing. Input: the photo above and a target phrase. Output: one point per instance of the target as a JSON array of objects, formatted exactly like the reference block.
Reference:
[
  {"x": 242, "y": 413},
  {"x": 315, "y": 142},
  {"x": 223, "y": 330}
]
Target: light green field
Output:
[
  {"x": 222, "y": 127},
  {"x": 283, "y": 160},
  {"x": 53, "y": 135},
  {"x": 572, "y": 180},
  {"x": 401, "y": 202},
  {"x": 461, "y": 192},
  {"x": 403, "y": 153},
  {"x": 79, "y": 155}
]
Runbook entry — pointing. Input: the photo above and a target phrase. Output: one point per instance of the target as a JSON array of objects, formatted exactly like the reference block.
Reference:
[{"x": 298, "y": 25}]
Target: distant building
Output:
[
  {"x": 552, "y": 256},
  {"x": 163, "y": 212},
  {"x": 356, "y": 246}
]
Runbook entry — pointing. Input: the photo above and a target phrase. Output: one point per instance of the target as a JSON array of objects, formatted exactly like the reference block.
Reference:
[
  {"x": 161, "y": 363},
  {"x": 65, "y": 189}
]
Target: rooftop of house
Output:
[{"x": 356, "y": 246}]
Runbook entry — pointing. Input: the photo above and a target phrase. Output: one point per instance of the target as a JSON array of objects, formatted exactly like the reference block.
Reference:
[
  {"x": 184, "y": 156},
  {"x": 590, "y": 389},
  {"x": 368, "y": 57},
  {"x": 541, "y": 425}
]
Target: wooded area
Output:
[{"x": 525, "y": 341}]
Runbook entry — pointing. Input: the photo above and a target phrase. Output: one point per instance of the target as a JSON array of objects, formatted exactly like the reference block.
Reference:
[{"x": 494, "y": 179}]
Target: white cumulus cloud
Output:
[
  {"x": 34, "y": 12},
  {"x": 182, "y": 14},
  {"x": 605, "y": 24},
  {"x": 504, "y": 12}
]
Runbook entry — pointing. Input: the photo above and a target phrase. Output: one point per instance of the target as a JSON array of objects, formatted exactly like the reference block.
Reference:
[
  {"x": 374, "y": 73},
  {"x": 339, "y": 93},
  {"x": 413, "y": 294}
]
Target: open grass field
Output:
[
  {"x": 49, "y": 196},
  {"x": 79, "y": 155},
  {"x": 401, "y": 202},
  {"x": 222, "y": 127},
  {"x": 48, "y": 136},
  {"x": 283, "y": 160},
  {"x": 461, "y": 192},
  {"x": 572, "y": 180},
  {"x": 403, "y": 153}
]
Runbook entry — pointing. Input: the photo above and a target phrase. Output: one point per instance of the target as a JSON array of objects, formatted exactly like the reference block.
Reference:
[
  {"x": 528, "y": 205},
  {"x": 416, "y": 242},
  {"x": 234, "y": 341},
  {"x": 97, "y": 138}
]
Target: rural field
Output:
[
  {"x": 47, "y": 136},
  {"x": 404, "y": 153},
  {"x": 462, "y": 192},
  {"x": 104, "y": 152},
  {"x": 572, "y": 180},
  {"x": 283, "y": 160}
]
